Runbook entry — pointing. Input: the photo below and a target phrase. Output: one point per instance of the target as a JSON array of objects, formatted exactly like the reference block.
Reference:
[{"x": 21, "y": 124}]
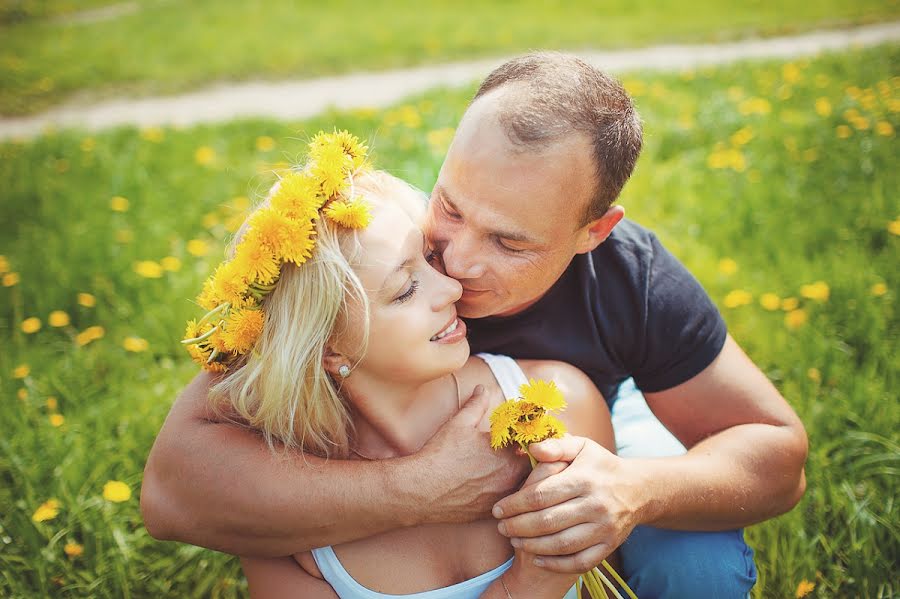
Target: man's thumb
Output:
[{"x": 472, "y": 412}]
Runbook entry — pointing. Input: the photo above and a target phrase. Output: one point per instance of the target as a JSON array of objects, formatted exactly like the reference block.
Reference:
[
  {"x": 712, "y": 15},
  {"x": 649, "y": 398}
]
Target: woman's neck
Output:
[{"x": 393, "y": 419}]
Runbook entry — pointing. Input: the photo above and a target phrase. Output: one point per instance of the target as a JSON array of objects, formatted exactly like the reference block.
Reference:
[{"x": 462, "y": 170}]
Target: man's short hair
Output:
[{"x": 557, "y": 94}]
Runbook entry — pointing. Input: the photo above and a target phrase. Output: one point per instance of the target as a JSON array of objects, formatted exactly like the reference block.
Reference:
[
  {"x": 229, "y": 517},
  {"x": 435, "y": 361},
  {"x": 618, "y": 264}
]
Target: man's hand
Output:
[
  {"x": 458, "y": 477},
  {"x": 572, "y": 516}
]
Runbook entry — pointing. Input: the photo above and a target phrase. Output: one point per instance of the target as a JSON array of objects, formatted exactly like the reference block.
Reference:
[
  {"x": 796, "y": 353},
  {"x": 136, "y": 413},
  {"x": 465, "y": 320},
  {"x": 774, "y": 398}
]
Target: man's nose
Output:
[{"x": 462, "y": 259}]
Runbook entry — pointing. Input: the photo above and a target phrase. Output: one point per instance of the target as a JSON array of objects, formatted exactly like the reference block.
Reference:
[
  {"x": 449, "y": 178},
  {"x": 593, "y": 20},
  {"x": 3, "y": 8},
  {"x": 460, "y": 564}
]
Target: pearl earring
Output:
[{"x": 344, "y": 371}]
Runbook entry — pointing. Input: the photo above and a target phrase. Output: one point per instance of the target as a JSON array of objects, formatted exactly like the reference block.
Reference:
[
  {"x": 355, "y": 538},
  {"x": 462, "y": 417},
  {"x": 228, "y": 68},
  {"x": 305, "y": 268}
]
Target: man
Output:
[{"x": 522, "y": 215}]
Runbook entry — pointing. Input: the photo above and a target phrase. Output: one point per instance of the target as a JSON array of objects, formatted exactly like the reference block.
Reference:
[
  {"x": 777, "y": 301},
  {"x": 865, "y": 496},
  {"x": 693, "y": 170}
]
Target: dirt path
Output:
[{"x": 300, "y": 99}]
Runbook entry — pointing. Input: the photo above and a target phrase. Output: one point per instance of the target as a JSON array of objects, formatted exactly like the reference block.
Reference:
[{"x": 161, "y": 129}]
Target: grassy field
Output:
[
  {"x": 50, "y": 51},
  {"x": 776, "y": 183}
]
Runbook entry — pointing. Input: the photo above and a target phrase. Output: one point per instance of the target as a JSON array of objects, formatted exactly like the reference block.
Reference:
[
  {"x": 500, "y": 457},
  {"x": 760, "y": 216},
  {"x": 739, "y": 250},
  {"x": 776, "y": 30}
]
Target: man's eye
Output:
[
  {"x": 432, "y": 257},
  {"x": 506, "y": 248},
  {"x": 448, "y": 211}
]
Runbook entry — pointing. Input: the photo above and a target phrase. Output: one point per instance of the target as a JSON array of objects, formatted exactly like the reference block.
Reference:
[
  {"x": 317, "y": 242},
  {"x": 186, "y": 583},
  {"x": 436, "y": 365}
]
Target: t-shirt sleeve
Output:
[{"x": 683, "y": 329}]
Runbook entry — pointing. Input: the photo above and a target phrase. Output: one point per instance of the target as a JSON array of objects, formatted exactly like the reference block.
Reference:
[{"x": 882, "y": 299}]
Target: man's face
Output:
[{"x": 506, "y": 219}]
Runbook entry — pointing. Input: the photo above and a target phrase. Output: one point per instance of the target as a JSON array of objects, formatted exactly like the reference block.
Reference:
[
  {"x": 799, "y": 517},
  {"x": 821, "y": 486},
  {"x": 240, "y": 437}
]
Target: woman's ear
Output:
[{"x": 332, "y": 361}]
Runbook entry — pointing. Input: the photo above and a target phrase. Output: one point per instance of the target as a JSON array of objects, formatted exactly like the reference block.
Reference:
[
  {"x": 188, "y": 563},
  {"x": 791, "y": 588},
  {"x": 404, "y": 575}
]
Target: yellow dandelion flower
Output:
[
  {"x": 57, "y": 420},
  {"x": 148, "y": 269},
  {"x": 264, "y": 143},
  {"x": 770, "y": 301},
  {"x": 153, "y": 134},
  {"x": 87, "y": 300},
  {"x": 353, "y": 147},
  {"x": 135, "y": 344},
  {"x": 88, "y": 144},
  {"x": 197, "y": 247},
  {"x": 46, "y": 511},
  {"x": 544, "y": 395},
  {"x": 737, "y": 298},
  {"x": 210, "y": 220},
  {"x": 170, "y": 263},
  {"x": 58, "y": 318},
  {"x": 21, "y": 371},
  {"x": 10, "y": 279},
  {"x": 22, "y": 393},
  {"x": 89, "y": 334},
  {"x": 532, "y": 431},
  {"x": 742, "y": 136},
  {"x": 843, "y": 131},
  {"x": 818, "y": 291},
  {"x": 331, "y": 166},
  {"x": 31, "y": 325},
  {"x": 894, "y": 227},
  {"x": 204, "y": 155},
  {"x": 230, "y": 285},
  {"x": 754, "y": 106},
  {"x": 297, "y": 196},
  {"x": 884, "y": 128},
  {"x": 257, "y": 262},
  {"x": 790, "y": 72},
  {"x": 789, "y": 304},
  {"x": 242, "y": 329},
  {"x": 878, "y": 289},
  {"x": 795, "y": 319},
  {"x": 823, "y": 107},
  {"x": 353, "y": 215},
  {"x": 118, "y": 204},
  {"x": 804, "y": 588},
  {"x": 52, "y": 404},
  {"x": 814, "y": 375},
  {"x": 4, "y": 265},
  {"x": 73, "y": 550},
  {"x": 116, "y": 491},
  {"x": 727, "y": 266}
]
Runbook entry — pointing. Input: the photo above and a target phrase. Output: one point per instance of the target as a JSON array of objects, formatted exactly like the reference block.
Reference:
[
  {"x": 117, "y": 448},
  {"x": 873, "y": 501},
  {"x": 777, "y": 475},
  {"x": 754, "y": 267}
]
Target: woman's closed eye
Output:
[{"x": 410, "y": 291}]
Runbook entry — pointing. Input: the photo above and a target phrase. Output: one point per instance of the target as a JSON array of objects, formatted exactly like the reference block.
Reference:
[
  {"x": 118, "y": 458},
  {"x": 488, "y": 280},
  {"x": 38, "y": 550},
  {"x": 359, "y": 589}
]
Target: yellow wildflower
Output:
[
  {"x": 229, "y": 284},
  {"x": 737, "y": 298},
  {"x": 170, "y": 263},
  {"x": 331, "y": 166},
  {"x": 89, "y": 334},
  {"x": 21, "y": 371},
  {"x": 135, "y": 344},
  {"x": 57, "y": 420},
  {"x": 297, "y": 196},
  {"x": 210, "y": 220},
  {"x": 790, "y": 72},
  {"x": 804, "y": 588},
  {"x": 795, "y": 319},
  {"x": 73, "y": 549},
  {"x": 148, "y": 269},
  {"x": 52, "y": 404},
  {"x": 197, "y": 247},
  {"x": 353, "y": 215},
  {"x": 46, "y": 511},
  {"x": 823, "y": 107},
  {"x": 789, "y": 303},
  {"x": 728, "y": 266},
  {"x": 22, "y": 393},
  {"x": 87, "y": 300},
  {"x": 31, "y": 325},
  {"x": 770, "y": 301},
  {"x": 257, "y": 262},
  {"x": 635, "y": 87},
  {"x": 116, "y": 491},
  {"x": 894, "y": 227},
  {"x": 264, "y": 143},
  {"x": 884, "y": 128},
  {"x": 88, "y": 144},
  {"x": 878, "y": 289},
  {"x": 119, "y": 204},
  {"x": 843, "y": 131},
  {"x": 814, "y": 375},
  {"x": 153, "y": 134},
  {"x": 58, "y": 318},
  {"x": 754, "y": 106},
  {"x": 544, "y": 395},
  {"x": 204, "y": 155},
  {"x": 742, "y": 136},
  {"x": 10, "y": 279},
  {"x": 4, "y": 265},
  {"x": 818, "y": 291},
  {"x": 346, "y": 141},
  {"x": 242, "y": 329}
]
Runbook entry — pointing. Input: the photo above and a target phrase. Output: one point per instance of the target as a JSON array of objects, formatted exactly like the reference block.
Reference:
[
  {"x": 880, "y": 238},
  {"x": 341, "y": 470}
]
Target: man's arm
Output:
[
  {"x": 219, "y": 486},
  {"x": 747, "y": 450}
]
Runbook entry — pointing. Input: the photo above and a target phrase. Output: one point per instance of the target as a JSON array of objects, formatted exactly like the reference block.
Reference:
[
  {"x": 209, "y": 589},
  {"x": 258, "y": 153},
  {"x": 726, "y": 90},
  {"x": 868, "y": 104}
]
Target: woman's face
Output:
[{"x": 414, "y": 332}]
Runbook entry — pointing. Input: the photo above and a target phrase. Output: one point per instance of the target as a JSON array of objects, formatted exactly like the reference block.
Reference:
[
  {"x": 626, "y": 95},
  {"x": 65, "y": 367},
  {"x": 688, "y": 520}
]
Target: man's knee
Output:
[{"x": 669, "y": 563}]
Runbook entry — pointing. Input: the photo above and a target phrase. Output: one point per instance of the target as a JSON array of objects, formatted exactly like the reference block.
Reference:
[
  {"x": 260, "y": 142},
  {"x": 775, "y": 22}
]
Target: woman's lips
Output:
[{"x": 458, "y": 333}]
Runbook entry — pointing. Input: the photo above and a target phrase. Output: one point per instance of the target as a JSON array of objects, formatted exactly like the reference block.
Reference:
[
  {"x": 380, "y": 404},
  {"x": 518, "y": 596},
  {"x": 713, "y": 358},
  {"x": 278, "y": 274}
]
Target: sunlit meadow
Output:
[{"x": 776, "y": 183}]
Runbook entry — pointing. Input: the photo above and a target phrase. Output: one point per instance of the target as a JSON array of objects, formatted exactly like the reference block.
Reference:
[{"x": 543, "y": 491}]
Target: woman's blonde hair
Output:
[{"x": 281, "y": 387}]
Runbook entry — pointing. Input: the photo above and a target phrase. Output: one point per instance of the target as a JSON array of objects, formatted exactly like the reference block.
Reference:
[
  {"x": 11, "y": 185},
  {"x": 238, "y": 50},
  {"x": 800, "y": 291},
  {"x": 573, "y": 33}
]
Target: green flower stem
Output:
[
  {"x": 593, "y": 585},
  {"x": 618, "y": 578},
  {"x": 606, "y": 581},
  {"x": 213, "y": 312},
  {"x": 201, "y": 338}
]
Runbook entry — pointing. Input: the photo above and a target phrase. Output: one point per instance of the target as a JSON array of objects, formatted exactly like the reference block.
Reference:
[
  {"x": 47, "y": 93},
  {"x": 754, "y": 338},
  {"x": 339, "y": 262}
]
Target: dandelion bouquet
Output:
[{"x": 528, "y": 419}]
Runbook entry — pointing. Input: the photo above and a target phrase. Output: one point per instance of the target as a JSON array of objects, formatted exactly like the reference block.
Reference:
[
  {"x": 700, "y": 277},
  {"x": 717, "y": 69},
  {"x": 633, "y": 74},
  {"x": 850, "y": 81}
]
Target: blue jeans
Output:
[{"x": 671, "y": 563}]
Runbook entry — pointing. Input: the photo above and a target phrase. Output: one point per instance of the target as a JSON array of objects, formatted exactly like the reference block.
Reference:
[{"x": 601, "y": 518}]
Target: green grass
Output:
[
  {"x": 806, "y": 205},
  {"x": 167, "y": 47}
]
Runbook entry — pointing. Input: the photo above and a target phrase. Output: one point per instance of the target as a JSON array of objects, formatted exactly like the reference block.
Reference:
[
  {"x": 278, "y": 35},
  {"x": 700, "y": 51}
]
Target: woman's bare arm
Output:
[
  {"x": 218, "y": 486},
  {"x": 283, "y": 578}
]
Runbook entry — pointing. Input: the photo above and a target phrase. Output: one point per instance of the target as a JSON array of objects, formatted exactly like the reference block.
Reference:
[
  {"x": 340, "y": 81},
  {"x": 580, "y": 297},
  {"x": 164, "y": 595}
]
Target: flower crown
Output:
[{"x": 284, "y": 231}]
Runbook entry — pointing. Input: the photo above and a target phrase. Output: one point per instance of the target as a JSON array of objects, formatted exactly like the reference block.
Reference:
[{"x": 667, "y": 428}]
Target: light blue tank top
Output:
[{"x": 510, "y": 377}]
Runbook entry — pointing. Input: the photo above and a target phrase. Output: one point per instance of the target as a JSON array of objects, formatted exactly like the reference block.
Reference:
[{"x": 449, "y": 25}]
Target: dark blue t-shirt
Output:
[{"x": 628, "y": 308}]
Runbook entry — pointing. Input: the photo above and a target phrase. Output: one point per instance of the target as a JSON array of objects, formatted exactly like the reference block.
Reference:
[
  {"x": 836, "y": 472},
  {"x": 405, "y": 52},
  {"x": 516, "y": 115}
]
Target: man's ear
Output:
[
  {"x": 595, "y": 232},
  {"x": 332, "y": 361}
]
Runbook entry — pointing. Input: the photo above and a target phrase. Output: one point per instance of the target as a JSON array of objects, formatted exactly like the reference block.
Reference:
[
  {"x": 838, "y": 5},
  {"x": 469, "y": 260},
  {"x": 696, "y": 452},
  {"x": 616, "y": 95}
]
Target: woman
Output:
[{"x": 362, "y": 356}]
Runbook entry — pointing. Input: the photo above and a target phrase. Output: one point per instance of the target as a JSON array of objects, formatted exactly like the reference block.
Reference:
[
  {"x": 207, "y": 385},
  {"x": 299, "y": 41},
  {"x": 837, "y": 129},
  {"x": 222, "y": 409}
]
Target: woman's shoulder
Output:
[{"x": 570, "y": 380}]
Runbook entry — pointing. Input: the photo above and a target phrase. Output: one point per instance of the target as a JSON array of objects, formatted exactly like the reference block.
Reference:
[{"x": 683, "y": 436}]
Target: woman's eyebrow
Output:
[{"x": 410, "y": 258}]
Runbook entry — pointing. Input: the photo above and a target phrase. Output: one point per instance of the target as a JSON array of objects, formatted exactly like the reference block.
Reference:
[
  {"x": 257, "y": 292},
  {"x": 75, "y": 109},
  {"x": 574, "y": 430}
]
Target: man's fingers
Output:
[
  {"x": 533, "y": 498},
  {"x": 548, "y": 521},
  {"x": 473, "y": 409},
  {"x": 577, "y": 563},
  {"x": 565, "y": 449},
  {"x": 565, "y": 542},
  {"x": 543, "y": 471}
]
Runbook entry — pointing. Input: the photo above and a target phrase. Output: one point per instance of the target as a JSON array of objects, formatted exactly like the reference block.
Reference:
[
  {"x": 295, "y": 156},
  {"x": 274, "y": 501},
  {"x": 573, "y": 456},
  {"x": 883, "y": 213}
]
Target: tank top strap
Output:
[{"x": 507, "y": 372}]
